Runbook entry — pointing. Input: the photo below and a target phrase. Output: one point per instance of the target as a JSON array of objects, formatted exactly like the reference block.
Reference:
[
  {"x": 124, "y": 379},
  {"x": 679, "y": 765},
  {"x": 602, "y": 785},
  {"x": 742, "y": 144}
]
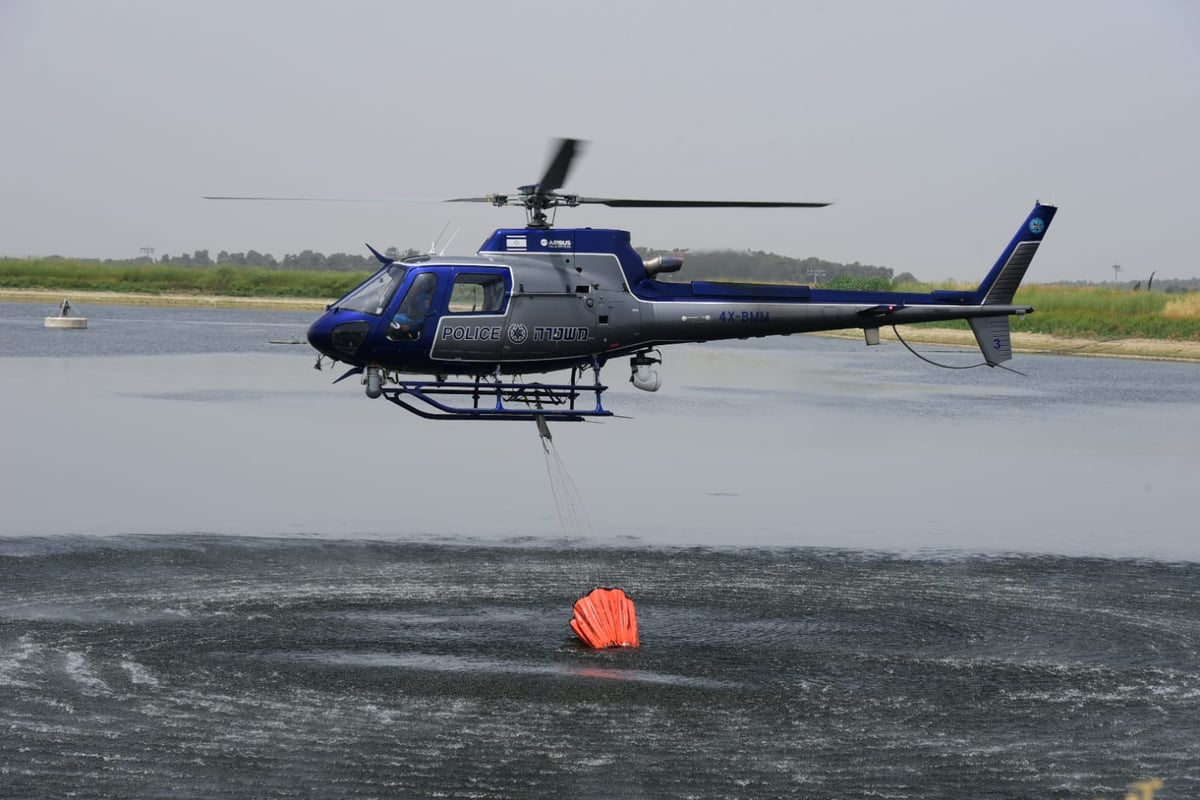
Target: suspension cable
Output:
[{"x": 900, "y": 338}]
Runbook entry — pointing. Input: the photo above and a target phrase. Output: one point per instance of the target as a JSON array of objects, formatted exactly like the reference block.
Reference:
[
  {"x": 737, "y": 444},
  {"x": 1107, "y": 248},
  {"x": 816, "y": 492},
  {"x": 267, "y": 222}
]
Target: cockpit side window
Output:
[
  {"x": 373, "y": 295},
  {"x": 415, "y": 308},
  {"x": 477, "y": 293}
]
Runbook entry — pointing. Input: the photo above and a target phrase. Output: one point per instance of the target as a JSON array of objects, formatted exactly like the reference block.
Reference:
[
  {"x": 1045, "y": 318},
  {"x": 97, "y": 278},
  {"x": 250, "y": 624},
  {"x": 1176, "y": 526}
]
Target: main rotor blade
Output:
[
  {"x": 556, "y": 173},
  {"x": 272, "y": 198},
  {"x": 288, "y": 199},
  {"x": 616, "y": 202}
]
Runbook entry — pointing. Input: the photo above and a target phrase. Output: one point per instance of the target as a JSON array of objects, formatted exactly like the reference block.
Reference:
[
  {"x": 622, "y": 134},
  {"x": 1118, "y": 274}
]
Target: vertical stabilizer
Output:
[
  {"x": 995, "y": 342},
  {"x": 1001, "y": 283}
]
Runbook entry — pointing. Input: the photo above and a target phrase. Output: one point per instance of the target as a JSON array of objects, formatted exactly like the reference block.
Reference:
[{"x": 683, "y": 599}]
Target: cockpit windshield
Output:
[{"x": 373, "y": 296}]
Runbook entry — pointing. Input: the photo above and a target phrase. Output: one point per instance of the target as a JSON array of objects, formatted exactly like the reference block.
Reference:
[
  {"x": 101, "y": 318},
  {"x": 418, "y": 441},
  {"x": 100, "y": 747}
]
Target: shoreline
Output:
[
  {"x": 54, "y": 297},
  {"x": 1023, "y": 343},
  {"x": 1044, "y": 343}
]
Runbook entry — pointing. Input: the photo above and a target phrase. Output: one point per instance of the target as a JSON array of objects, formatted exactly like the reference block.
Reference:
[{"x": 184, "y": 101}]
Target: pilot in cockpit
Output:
[{"x": 414, "y": 309}]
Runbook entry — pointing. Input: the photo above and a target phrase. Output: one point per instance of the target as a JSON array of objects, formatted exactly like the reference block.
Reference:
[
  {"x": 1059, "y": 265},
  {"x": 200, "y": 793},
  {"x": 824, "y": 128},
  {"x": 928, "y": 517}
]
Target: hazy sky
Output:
[{"x": 933, "y": 126}]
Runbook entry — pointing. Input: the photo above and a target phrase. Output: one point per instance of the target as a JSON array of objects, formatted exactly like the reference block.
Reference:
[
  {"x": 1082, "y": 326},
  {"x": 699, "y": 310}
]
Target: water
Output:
[{"x": 856, "y": 576}]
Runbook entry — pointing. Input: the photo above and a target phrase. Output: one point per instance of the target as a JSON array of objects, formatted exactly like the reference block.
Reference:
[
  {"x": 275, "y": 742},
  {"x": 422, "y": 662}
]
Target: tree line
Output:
[
  {"x": 305, "y": 259},
  {"x": 740, "y": 265}
]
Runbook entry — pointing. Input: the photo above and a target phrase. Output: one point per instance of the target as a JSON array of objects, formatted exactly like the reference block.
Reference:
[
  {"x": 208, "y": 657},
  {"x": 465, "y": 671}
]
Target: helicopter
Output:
[{"x": 457, "y": 337}]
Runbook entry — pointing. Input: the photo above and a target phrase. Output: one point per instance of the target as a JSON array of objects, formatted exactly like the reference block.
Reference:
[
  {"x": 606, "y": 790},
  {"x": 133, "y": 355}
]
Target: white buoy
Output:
[{"x": 63, "y": 320}]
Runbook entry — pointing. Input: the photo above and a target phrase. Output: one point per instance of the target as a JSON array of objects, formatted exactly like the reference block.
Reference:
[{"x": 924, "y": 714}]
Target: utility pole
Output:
[
  {"x": 1117, "y": 273},
  {"x": 148, "y": 252}
]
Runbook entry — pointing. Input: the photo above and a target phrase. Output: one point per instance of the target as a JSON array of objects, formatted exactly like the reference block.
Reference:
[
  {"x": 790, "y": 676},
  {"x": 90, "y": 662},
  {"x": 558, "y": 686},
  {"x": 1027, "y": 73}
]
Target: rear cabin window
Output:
[{"x": 476, "y": 293}]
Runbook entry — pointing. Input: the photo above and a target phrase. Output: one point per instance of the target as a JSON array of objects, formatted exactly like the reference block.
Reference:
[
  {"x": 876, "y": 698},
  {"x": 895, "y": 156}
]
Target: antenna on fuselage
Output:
[
  {"x": 449, "y": 241},
  {"x": 433, "y": 247}
]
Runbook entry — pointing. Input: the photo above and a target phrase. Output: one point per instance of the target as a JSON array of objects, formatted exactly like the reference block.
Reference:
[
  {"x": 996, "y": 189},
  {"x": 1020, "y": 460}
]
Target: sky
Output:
[{"x": 933, "y": 127}]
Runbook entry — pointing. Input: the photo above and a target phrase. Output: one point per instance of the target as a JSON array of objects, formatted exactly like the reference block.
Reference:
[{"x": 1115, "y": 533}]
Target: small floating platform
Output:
[
  {"x": 606, "y": 618},
  {"x": 64, "y": 320}
]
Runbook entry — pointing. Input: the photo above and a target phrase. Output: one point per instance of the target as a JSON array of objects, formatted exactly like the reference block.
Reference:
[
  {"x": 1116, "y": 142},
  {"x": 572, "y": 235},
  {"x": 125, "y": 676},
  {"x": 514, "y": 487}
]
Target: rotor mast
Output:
[{"x": 536, "y": 198}]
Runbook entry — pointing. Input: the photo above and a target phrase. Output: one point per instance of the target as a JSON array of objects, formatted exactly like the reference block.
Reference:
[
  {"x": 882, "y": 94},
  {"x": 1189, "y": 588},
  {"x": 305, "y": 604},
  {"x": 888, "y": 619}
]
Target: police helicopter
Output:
[{"x": 466, "y": 337}]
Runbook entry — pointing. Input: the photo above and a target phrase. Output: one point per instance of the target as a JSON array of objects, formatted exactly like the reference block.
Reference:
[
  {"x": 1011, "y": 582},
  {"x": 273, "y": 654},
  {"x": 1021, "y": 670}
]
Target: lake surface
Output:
[{"x": 857, "y": 575}]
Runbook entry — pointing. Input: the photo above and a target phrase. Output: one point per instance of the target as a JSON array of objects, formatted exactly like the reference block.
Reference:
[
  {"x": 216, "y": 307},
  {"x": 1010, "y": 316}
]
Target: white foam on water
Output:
[
  {"x": 14, "y": 660},
  {"x": 138, "y": 674},
  {"x": 80, "y": 670},
  {"x": 451, "y": 663}
]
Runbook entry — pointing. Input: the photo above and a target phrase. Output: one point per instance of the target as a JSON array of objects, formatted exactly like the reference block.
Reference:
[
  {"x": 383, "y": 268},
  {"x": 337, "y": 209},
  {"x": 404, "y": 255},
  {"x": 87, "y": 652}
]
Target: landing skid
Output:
[{"x": 494, "y": 399}]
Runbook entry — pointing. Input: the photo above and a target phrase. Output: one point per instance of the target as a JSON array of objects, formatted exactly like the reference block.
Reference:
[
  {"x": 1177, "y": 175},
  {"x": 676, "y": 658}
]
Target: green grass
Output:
[
  {"x": 67, "y": 274},
  {"x": 1106, "y": 313},
  {"x": 1097, "y": 313}
]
